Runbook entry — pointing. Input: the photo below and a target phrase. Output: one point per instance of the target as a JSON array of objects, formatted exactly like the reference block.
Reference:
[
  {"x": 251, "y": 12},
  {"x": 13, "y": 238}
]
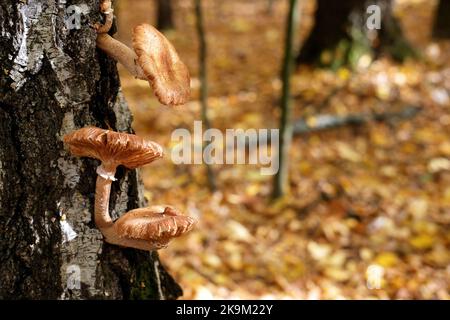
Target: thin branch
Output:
[{"x": 327, "y": 121}]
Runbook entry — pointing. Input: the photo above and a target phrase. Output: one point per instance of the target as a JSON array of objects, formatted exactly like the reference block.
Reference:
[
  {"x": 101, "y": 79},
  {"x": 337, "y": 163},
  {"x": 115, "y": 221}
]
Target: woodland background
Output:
[
  {"x": 365, "y": 181},
  {"x": 376, "y": 193}
]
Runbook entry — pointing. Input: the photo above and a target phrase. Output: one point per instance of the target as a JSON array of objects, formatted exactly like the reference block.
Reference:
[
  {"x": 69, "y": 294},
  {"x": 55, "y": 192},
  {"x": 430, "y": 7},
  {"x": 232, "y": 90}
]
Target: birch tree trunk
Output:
[
  {"x": 165, "y": 15},
  {"x": 52, "y": 81}
]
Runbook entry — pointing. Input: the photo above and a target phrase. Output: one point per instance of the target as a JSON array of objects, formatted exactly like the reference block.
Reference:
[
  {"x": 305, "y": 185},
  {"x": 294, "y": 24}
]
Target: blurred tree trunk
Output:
[
  {"x": 441, "y": 27},
  {"x": 270, "y": 4},
  {"x": 53, "y": 81},
  {"x": 340, "y": 35},
  {"x": 286, "y": 129},
  {"x": 165, "y": 15},
  {"x": 203, "y": 75}
]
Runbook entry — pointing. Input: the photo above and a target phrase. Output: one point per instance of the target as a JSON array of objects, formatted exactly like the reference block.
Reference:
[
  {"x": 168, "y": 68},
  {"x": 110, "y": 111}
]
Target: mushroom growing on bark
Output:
[
  {"x": 153, "y": 59},
  {"x": 147, "y": 228},
  {"x": 157, "y": 224}
]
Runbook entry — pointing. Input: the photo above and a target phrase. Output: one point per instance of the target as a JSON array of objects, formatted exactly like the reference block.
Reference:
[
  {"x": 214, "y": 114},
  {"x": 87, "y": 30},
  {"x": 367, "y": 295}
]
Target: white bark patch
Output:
[
  {"x": 25, "y": 60},
  {"x": 83, "y": 250},
  {"x": 71, "y": 166},
  {"x": 68, "y": 124},
  {"x": 38, "y": 38}
]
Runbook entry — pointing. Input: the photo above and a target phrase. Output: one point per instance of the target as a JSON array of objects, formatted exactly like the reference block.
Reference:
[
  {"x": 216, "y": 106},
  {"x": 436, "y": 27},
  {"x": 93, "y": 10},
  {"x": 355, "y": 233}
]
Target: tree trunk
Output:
[
  {"x": 340, "y": 35},
  {"x": 203, "y": 75},
  {"x": 53, "y": 81},
  {"x": 165, "y": 16},
  {"x": 441, "y": 29},
  {"x": 286, "y": 129},
  {"x": 270, "y": 4}
]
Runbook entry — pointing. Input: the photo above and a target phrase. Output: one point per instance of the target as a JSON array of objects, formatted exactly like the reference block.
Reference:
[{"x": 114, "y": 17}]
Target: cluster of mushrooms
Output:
[{"x": 153, "y": 59}]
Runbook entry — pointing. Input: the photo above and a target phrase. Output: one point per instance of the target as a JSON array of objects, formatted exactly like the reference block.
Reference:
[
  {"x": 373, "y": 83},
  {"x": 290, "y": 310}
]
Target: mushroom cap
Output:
[
  {"x": 167, "y": 74},
  {"x": 112, "y": 148},
  {"x": 157, "y": 223}
]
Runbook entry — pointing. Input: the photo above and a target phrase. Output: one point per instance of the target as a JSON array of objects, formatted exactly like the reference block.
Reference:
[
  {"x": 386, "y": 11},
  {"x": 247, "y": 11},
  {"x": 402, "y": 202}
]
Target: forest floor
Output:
[{"x": 377, "y": 194}]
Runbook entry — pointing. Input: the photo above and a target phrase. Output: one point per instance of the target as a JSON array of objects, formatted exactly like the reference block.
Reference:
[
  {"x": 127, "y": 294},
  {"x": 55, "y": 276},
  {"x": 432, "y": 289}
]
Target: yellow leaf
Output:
[
  {"x": 389, "y": 171},
  {"x": 211, "y": 260},
  {"x": 447, "y": 196},
  {"x": 418, "y": 207},
  {"x": 366, "y": 253},
  {"x": 438, "y": 164},
  {"x": 347, "y": 152},
  {"x": 425, "y": 227},
  {"x": 383, "y": 91},
  {"x": 445, "y": 148},
  {"x": 240, "y": 25},
  {"x": 337, "y": 274},
  {"x": 235, "y": 261},
  {"x": 343, "y": 73},
  {"x": 380, "y": 138},
  {"x": 318, "y": 251},
  {"x": 237, "y": 231},
  {"x": 387, "y": 259},
  {"x": 337, "y": 259},
  {"x": 439, "y": 256},
  {"x": 252, "y": 189},
  {"x": 423, "y": 241},
  {"x": 305, "y": 167}
]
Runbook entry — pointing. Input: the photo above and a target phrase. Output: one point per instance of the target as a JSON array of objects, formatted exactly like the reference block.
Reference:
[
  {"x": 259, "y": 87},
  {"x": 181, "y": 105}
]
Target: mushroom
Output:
[
  {"x": 114, "y": 149},
  {"x": 157, "y": 224},
  {"x": 153, "y": 59}
]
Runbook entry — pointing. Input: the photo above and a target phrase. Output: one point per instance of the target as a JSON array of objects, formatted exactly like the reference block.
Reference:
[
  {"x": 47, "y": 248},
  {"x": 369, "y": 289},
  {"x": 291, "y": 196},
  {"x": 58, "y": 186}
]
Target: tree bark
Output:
[
  {"x": 340, "y": 35},
  {"x": 53, "y": 81},
  {"x": 441, "y": 28},
  {"x": 165, "y": 15}
]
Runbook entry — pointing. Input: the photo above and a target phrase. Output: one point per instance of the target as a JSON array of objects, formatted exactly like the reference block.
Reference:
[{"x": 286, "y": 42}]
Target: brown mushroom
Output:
[
  {"x": 114, "y": 149},
  {"x": 154, "y": 59},
  {"x": 156, "y": 225},
  {"x": 167, "y": 74}
]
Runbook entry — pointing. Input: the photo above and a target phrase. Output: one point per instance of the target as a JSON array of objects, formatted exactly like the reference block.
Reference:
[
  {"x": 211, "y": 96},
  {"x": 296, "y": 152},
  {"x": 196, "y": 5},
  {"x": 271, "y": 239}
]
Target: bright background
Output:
[{"x": 375, "y": 194}]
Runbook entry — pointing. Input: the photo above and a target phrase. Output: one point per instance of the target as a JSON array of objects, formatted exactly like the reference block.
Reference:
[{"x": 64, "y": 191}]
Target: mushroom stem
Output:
[
  {"x": 103, "y": 219},
  {"x": 105, "y": 176},
  {"x": 102, "y": 192},
  {"x": 121, "y": 53}
]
